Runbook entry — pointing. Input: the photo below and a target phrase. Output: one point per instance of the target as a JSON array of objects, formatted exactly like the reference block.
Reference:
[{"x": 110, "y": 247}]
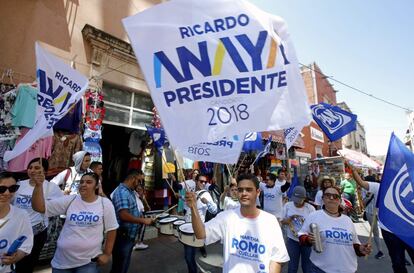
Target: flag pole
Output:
[
  {"x": 371, "y": 231},
  {"x": 180, "y": 169},
  {"x": 238, "y": 167},
  {"x": 169, "y": 171},
  {"x": 228, "y": 169}
]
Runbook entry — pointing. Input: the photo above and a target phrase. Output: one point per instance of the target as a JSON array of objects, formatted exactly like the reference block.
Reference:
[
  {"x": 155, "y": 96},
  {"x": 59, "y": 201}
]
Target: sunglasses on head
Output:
[
  {"x": 331, "y": 195},
  {"x": 12, "y": 188}
]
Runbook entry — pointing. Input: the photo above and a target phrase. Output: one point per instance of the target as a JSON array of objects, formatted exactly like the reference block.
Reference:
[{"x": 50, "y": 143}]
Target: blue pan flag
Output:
[
  {"x": 265, "y": 151},
  {"x": 395, "y": 200},
  {"x": 334, "y": 121},
  {"x": 158, "y": 137},
  {"x": 253, "y": 142}
]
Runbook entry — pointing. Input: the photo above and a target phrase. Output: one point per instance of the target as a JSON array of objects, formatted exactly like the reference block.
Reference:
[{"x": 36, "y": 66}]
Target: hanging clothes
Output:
[
  {"x": 188, "y": 163},
  {"x": 95, "y": 110},
  {"x": 134, "y": 164},
  {"x": 41, "y": 148},
  {"x": 135, "y": 141},
  {"x": 7, "y": 131},
  {"x": 5, "y": 145},
  {"x": 64, "y": 146},
  {"x": 24, "y": 108},
  {"x": 71, "y": 121}
]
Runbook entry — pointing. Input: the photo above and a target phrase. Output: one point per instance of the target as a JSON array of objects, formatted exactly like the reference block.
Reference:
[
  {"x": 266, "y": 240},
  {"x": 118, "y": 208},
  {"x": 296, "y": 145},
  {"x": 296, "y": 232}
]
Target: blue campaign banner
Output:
[
  {"x": 253, "y": 142},
  {"x": 334, "y": 121},
  {"x": 158, "y": 137},
  {"x": 396, "y": 196}
]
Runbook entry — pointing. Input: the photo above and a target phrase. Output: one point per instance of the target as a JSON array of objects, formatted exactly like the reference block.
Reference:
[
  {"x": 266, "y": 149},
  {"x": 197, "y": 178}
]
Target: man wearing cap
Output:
[{"x": 294, "y": 214}]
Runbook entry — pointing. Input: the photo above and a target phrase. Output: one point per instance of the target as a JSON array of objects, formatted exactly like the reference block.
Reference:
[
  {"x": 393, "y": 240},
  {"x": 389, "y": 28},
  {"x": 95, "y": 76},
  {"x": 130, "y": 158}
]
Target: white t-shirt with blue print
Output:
[
  {"x": 82, "y": 234},
  {"x": 249, "y": 244},
  {"x": 338, "y": 235}
]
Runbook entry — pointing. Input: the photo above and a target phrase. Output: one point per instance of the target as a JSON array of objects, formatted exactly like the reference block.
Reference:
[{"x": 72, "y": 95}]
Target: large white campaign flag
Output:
[
  {"x": 217, "y": 68},
  {"x": 60, "y": 87},
  {"x": 225, "y": 151}
]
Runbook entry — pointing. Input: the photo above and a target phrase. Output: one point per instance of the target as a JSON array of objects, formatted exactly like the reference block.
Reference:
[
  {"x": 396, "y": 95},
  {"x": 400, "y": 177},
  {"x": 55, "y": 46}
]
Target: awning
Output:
[
  {"x": 359, "y": 159},
  {"x": 278, "y": 136}
]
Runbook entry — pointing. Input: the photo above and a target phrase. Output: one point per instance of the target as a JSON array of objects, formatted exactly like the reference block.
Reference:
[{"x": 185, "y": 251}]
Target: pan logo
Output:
[
  {"x": 400, "y": 196},
  {"x": 251, "y": 136},
  {"x": 157, "y": 137},
  {"x": 333, "y": 121}
]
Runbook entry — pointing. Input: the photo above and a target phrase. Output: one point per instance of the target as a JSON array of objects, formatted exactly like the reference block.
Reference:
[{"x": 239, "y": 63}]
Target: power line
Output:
[{"x": 358, "y": 90}]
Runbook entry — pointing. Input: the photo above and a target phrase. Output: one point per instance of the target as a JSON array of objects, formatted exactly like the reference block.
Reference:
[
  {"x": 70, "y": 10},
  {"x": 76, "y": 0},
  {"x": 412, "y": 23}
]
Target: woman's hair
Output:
[
  {"x": 43, "y": 161},
  {"x": 6, "y": 175},
  {"x": 338, "y": 189},
  {"x": 94, "y": 176}
]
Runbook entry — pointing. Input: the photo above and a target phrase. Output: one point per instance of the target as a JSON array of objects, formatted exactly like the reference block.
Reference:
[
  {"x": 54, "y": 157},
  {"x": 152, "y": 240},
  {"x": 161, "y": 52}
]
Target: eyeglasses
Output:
[
  {"x": 331, "y": 195},
  {"x": 202, "y": 181},
  {"x": 12, "y": 188}
]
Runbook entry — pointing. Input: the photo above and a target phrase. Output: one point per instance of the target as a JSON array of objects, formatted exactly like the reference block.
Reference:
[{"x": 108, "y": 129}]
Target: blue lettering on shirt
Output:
[
  {"x": 247, "y": 247},
  {"x": 3, "y": 243},
  {"x": 84, "y": 218},
  {"x": 24, "y": 201},
  {"x": 339, "y": 236}
]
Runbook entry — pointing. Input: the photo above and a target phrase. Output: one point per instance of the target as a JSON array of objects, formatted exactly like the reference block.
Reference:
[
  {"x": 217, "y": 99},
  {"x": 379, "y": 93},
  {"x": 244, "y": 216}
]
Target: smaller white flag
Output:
[
  {"x": 225, "y": 151},
  {"x": 60, "y": 87},
  {"x": 291, "y": 134}
]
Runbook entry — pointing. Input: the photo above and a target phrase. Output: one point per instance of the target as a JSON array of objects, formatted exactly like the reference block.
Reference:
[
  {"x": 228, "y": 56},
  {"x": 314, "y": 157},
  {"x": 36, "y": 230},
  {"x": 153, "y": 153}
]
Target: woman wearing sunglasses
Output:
[
  {"x": 88, "y": 217},
  {"x": 339, "y": 239},
  {"x": 39, "y": 222},
  {"x": 14, "y": 223}
]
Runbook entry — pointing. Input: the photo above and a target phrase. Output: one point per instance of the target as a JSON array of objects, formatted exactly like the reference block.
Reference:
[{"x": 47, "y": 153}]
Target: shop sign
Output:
[{"x": 316, "y": 134}]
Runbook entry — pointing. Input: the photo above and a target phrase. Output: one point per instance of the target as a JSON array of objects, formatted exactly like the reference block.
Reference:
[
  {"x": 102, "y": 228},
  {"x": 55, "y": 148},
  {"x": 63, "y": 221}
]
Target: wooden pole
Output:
[{"x": 371, "y": 231}]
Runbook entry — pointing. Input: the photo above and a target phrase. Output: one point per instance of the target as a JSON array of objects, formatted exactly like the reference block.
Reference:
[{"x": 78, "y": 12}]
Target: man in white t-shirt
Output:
[
  {"x": 204, "y": 203},
  {"x": 396, "y": 246},
  {"x": 273, "y": 195},
  {"x": 252, "y": 239}
]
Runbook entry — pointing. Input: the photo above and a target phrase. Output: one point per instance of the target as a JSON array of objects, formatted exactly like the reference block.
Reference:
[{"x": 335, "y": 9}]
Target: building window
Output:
[
  {"x": 126, "y": 108},
  {"x": 318, "y": 151}
]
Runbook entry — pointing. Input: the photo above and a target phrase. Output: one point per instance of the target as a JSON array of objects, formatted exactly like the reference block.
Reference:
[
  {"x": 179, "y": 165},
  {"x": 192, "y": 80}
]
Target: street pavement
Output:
[{"x": 166, "y": 255}]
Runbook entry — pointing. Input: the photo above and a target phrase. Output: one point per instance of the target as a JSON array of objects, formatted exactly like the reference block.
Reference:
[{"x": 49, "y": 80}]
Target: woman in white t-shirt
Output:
[
  {"x": 14, "y": 222},
  {"x": 39, "y": 222},
  {"x": 228, "y": 198},
  {"x": 294, "y": 214},
  {"x": 324, "y": 182},
  {"x": 88, "y": 217},
  {"x": 339, "y": 239}
]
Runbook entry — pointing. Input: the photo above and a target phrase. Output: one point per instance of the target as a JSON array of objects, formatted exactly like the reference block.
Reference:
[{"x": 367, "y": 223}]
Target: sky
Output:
[{"x": 366, "y": 44}]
